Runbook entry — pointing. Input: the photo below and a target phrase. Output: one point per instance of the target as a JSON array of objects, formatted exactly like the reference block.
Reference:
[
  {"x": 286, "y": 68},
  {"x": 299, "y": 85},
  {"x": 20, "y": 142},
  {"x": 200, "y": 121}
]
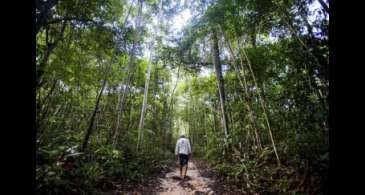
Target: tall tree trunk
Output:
[
  {"x": 144, "y": 105},
  {"x": 307, "y": 48},
  {"x": 145, "y": 96},
  {"x": 42, "y": 112},
  {"x": 171, "y": 105},
  {"x": 173, "y": 90},
  {"x": 214, "y": 121},
  {"x": 243, "y": 84},
  {"x": 92, "y": 119},
  {"x": 131, "y": 69},
  {"x": 220, "y": 82},
  {"x": 123, "y": 92},
  {"x": 62, "y": 114},
  {"x": 43, "y": 61},
  {"x": 253, "y": 36},
  {"x": 262, "y": 106},
  {"x": 317, "y": 59},
  {"x": 155, "y": 107}
]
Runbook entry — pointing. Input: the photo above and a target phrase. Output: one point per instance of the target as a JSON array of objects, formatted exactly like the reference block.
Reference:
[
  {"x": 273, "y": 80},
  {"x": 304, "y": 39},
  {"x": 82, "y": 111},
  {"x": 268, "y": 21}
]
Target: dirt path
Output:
[
  {"x": 193, "y": 184},
  {"x": 168, "y": 182}
]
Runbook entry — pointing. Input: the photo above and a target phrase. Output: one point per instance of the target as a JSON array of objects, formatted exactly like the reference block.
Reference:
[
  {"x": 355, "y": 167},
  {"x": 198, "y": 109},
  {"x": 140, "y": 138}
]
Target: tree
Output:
[
  {"x": 92, "y": 119},
  {"x": 220, "y": 82}
]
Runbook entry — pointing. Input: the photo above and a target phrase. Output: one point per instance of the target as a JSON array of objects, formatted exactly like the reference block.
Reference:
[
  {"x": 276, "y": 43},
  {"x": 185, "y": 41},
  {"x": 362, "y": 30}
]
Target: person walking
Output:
[{"x": 183, "y": 152}]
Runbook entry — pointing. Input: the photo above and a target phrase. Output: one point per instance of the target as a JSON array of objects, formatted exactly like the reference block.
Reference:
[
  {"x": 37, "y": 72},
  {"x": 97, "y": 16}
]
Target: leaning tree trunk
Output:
[
  {"x": 220, "y": 82},
  {"x": 262, "y": 106},
  {"x": 145, "y": 96},
  {"x": 317, "y": 58},
  {"x": 92, "y": 119},
  {"x": 123, "y": 92},
  {"x": 43, "y": 107},
  {"x": 243, "y": 83},
  {"x": 41, "y": 65},
  {"x": 303, "y": 15},
  {"x": 170, "y": 108},
  {"x": 43, "y": 10},
  {"x": 144, "y": 105},
  {"x": 131, "y": 68},
  {"x": 324, "y": 5}
]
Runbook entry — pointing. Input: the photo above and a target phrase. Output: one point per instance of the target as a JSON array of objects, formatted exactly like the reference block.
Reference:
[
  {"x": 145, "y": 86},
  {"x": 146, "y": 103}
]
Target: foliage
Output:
[{"x": 91, "y": 73}]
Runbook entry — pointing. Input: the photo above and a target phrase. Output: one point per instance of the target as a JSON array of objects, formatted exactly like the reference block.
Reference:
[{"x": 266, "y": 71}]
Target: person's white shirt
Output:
[{"x": 182, "y": 146}]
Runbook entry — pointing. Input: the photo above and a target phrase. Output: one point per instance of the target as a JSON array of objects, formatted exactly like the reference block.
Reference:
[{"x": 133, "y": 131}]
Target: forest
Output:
[{"x": 118, "y": 81}]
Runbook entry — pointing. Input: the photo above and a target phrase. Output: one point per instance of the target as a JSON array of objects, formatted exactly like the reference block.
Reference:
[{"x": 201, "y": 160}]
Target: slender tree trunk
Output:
[
  {"x": 42, "y": 113},
  {"x": 129, "y": 11},
  {"x": 44, "y": 8},
  {"x": 131, "y": 70},
  {"x": 263, "y": 107},
  {"x": 145, "y": 97},
  {"x": 43, "y": 121},
  {"x": 324, "y": 5},
  {"x": 46, "y": 99},
  {"x": 123, "y": 91},
  {"x": 173, "y": 91},
  {"x": 155, "y": 107},
  {"x": 214, "y": 121},
  {"x": 253, "y": 36},
  {"x": 62, "y": 114},
  {"x": 304, "y": 17},
  {"x": 114, "y": 131},
  {"x": 316, "y": 58},
  {"x": 220, "y": 82},
  {"x": 43, "y": 61},
  {"x": 90, "y": 128},
  {"x": 243, "y": 84},
  {"x": 295, "y": 34},
  {"x": 171, "y": 106},
  {"x": 144, "y": 105}
]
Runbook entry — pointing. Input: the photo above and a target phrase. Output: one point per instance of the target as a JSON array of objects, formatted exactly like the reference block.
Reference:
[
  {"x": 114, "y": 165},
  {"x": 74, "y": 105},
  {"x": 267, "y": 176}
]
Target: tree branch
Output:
[
  {"x": 85, "y": 20},
  {"x": 324, "y": 5}
]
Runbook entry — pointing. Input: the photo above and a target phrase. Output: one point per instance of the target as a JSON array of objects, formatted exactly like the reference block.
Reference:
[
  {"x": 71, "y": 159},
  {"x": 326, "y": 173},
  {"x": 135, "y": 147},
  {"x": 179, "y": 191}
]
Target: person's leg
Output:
[
  {"x": 181, "y": 169},
  {"x": 186, "y": 169},
  {"x": 183, "y": 176},
  {"x": 181, "y": 165},
  {"x": 187, "y": 162},
  {"x": 186, "y": 159}
]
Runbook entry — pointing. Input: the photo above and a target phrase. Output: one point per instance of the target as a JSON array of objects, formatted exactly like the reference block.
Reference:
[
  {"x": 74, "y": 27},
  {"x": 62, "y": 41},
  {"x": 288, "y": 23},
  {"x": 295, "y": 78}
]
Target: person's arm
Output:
[
  {"x": 189, "y": 148},
  {"x": 177, "y": 150},
  {"x": 177, "y": 147}
]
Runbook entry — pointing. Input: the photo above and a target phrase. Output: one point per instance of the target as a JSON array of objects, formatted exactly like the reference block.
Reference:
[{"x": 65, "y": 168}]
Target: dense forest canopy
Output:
[{"x": 119, "y": 80}]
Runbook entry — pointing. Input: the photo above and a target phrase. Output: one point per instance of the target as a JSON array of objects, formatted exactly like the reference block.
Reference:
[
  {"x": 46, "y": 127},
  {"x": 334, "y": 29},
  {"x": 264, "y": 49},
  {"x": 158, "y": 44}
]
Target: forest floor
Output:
[
  {"x": 194, "y": 182},
  {"x": 200, "y": 180}
]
